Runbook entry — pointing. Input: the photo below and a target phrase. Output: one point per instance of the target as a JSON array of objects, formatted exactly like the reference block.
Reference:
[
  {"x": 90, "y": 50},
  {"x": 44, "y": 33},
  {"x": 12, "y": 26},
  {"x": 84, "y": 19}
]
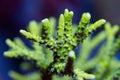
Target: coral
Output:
[
  {"x": 53, "y": 49},
  {"x": 104, "y": 62}
]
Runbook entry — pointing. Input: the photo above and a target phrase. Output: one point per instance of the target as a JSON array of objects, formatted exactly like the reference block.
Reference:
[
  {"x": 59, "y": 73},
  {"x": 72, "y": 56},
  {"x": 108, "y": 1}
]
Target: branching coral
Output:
[
  {"x": 53, "y": 50},
  {"x": 103, "y": 64}
]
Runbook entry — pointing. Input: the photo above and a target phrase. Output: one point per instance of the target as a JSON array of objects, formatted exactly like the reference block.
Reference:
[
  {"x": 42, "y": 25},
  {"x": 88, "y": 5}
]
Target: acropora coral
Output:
[{"x": 53, "y": 49}]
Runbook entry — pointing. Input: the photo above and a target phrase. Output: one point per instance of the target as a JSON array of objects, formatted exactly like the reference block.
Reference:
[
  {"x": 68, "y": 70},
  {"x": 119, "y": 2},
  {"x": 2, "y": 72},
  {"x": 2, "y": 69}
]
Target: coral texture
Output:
[{"x": 53, "y": 49}]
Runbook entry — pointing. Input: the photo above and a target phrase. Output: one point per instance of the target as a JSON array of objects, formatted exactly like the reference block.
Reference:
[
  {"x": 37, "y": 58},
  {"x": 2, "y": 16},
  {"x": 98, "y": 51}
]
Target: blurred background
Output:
[{"x": 16, "y": 14}]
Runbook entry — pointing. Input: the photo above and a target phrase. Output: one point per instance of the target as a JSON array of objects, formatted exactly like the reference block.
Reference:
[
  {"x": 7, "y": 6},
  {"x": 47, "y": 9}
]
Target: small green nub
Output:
[
  {"x": 61, "y": 21},
  {"x": 45, "y": 22},
  {"x": 5, "y": 54},
  {"x": 26, "y": 34},
  {"x": 10, "y": 43},
  {"x": 97, "y": 24},
  {"x": 33, "y": 27},
  {"x": 86, "y": 17},
  {"x": 66, "y": 12}
]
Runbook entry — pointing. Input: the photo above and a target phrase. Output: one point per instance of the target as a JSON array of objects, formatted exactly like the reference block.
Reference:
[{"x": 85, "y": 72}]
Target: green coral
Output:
[
  {"x": 81, "y": 75},
  {"x": 115, "y": 74},
  {"x": 30, "y": 76},
  {"x": 103, "y": 63},
  {"x": 53, "y": 50}
]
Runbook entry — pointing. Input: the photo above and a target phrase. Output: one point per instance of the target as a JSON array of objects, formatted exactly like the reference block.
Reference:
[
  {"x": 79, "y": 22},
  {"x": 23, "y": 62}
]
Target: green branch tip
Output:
[
  {"x": 45, "y": 22},
  {"x": 33, "y": 27},
  {"x": 97, "y": 24},
  {"x": 61, "y": 21},
  {"x": 81, "y": 75},
  {"x": 23, "y": 32},
  {"x": 10, "y": 43},
  {"x": 86, "y": 17},
  {"x": 66, "y": 12},
  {"x": 5, "y": 54},
  {"x": 71, "y": 13},
  {"x": 72, "y": 54},
  {"x": 101, "y": 21},
  {"x": 26, "y": 34}
]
